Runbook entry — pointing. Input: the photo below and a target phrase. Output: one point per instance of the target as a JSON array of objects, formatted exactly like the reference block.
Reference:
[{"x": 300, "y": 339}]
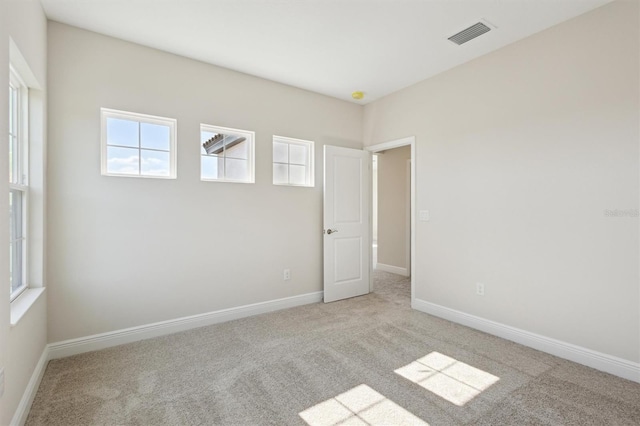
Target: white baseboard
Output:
[
  {"x": 22, "y": 412},
  {"x": 133, "y": 334},
  {"x": 600, "y": 361},
  {"x": 610, "y": 364},
  {"x": 392, "y": 269},
  {"x": 119, "y": 337}
]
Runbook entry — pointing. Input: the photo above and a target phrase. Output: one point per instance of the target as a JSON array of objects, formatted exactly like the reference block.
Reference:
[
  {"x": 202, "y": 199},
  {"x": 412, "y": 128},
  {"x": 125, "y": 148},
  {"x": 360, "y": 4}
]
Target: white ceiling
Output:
[{"x": 333, "y": 47}]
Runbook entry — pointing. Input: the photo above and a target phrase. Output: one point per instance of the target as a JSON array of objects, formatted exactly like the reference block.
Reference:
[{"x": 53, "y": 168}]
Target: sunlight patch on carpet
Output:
[
  {"x": 359, "y": 406},
  {"x": 447, "y": 377}
]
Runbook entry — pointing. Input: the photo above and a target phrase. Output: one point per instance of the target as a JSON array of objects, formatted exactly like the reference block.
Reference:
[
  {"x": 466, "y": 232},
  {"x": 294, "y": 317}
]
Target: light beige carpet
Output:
[{"x": 367, "y": 360}]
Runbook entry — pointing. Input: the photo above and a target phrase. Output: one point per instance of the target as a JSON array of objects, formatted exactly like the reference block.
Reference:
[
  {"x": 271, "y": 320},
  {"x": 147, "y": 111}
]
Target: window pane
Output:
[
  {"x": 13, "y": 135},
  {"x": 234, "y": 149},
  {"x": 211, "y": 167},
  {"x": 13, "y": 109},
  {"x": 297, "y": 175},
  {"x": 11, "y": 255},
  {"x": 16, "y": 202},
  {"x": 122, "y": 132},
  {"x": 14, "y": 149},
  {"x": 280, "y": 152},
  {"x": 299, "y": 154},
  {"x": 16, "y": 239},
  {"x": 280, "y": 174},
  {"x": 205, "y": 136},
  {"x": 227, "y": 154},
  {"x": 237, "y": 169},
  {"x": 212, "y": 143},
  {"x": 15, "y": 265},
  {"x": 123, "y": 161},
  {"x": 155, "y": 163},
  {"x": 155, "y": 136}
]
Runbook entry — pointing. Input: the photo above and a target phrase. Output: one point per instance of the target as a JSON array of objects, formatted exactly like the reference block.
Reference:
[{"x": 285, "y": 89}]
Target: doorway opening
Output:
[{"x": 392, "y": 218}]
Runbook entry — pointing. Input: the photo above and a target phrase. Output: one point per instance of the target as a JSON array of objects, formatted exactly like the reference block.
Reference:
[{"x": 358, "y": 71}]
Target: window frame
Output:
[
  {"x": 19, "y": 122},
  {"x": 310, "y": 172},
  {"x": 172, "y": 123},
  {"x": 250, "y": 137}
]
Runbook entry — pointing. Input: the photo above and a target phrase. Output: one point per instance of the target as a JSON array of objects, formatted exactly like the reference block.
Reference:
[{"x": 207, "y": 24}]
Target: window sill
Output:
[{"x": 23, "y": 303}]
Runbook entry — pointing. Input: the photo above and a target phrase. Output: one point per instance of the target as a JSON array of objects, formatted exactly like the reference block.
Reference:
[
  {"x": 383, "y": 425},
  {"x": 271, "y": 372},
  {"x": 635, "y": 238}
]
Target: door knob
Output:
[{"x": 331, "y": 231}]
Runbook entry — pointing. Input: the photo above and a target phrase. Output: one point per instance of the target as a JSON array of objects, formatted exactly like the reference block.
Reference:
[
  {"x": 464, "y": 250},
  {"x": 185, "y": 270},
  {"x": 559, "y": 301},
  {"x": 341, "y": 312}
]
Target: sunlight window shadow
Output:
[
  {"x": 447, "y": 377},
  {"x": 359, "y": 406}
]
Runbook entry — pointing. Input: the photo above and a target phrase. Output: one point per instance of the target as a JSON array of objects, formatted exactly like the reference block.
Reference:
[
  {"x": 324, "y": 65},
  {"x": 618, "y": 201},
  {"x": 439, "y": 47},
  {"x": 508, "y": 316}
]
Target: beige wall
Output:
[
  {"x": 5, "y": 407},
  {"x": 393, "y": 207},
  {"x": 22, "y": 345},
  {"x": 519, "y": 154},
  {"x": 128, "y": 251}
]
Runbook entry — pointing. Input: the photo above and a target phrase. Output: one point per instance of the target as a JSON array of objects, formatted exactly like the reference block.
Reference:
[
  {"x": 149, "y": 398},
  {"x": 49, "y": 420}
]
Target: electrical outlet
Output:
[
  {"x": 480, "y": 289},
  {"x": 1, "y": 382},
  {"x": 286, "y": 274}
]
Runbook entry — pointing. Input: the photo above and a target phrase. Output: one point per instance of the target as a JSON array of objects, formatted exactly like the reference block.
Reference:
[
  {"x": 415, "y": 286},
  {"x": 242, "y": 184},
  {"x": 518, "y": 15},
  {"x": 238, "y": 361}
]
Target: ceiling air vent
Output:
[{"x": 470, "y": 33}]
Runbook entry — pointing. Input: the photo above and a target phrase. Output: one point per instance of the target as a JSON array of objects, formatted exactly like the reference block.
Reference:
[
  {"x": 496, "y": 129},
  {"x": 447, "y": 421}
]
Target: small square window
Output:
[
  {"x": 292, "y": 162},
  {"x": 226, "y": 155},
  {"x": 138, "y": 145}
]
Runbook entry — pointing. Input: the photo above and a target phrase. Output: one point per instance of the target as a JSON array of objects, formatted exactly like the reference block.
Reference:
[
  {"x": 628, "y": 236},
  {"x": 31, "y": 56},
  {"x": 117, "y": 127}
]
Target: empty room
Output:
[{"x": 320, "y": 212}]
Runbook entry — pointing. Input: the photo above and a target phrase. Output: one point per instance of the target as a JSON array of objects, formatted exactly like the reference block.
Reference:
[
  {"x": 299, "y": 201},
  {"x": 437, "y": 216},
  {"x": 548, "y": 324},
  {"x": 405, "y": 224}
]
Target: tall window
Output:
[
  {"x": 226, "y": 155},
  {"x": 292, "y": 161},
  {"x": 18, "y": 183},
  {"x": 138, "y": 145}
]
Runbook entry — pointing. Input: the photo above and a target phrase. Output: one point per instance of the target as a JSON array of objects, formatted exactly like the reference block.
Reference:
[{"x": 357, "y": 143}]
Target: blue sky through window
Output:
[
  {"x": 122, "y": 132},
  {"x": 154, "y": 136},
  {"x": 138, "y": 148}
]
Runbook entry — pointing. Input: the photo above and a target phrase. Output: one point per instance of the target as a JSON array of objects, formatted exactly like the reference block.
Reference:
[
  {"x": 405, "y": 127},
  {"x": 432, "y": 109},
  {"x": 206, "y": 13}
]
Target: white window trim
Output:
[
  {"x": 251, "y": 137},
  {"x": 172, "y": 123},
  {"x": 310, "y": 159},
  {"x": 21, "y": 305},
  {"x": 34, "y": 155},
  {"x": 18, "y": 83}
]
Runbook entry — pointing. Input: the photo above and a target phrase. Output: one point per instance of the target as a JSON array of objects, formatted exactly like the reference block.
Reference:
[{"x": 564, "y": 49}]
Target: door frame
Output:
[{"x": 397, "y": 143}]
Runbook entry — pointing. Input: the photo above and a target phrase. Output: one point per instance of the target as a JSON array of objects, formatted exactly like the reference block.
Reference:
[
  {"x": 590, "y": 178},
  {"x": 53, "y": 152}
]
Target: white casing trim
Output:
[
  {"x": 392, "y": 269},
  {"x": 409, "y": 140},
  {"x": 406, "y": 141},
  {"x": 133, "y": 334},
  {"x": 22, "y": 412},
  {"x": 610, "y": 364}
]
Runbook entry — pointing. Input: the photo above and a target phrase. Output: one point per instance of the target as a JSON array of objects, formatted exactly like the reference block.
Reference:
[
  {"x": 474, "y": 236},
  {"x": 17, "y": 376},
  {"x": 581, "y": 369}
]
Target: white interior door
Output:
[{"x": 347, "y": 228}]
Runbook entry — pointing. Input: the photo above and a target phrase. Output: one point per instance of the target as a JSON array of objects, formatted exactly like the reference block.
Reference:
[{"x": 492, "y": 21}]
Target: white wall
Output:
[
  {"x": 22, "y": 345},
  {"x": 128, "y": 251},
  {"x": 392, "y": 207},
  {"x": 519, "y": 154}
]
